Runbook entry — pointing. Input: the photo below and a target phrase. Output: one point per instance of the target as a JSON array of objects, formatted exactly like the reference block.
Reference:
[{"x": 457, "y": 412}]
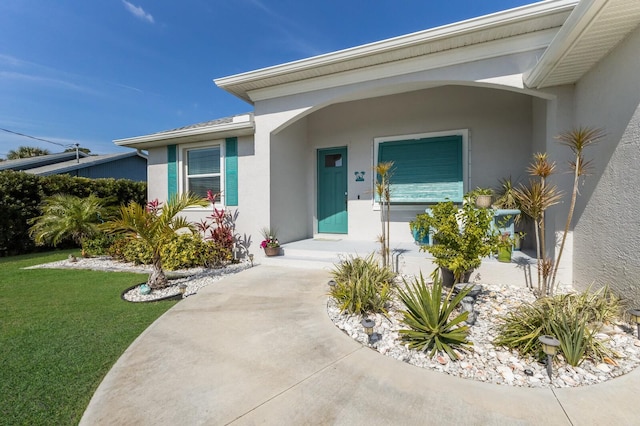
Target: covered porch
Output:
[{"x": 407, "y": 259}]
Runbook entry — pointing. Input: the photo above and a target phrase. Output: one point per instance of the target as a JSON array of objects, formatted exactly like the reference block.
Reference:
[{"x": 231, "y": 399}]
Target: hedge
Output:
[{"x": 21, "y": 194}]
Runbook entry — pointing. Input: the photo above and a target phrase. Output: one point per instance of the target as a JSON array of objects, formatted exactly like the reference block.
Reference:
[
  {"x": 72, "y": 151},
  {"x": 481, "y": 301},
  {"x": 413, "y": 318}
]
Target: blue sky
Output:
[{"x": 89, "y": 72}]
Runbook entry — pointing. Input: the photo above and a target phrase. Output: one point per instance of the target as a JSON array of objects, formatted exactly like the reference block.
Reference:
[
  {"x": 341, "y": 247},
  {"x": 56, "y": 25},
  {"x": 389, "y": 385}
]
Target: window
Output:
[
  {"x": 203, "y": 170},
  {"x": 427, "y": 168}
]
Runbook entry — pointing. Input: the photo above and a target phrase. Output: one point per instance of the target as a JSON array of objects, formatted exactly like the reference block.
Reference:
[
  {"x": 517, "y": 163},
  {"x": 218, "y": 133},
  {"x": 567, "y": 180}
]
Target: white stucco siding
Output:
[
  {"x": 500, "y": 140},
  {"x": 157, "y": 173},
  {"x": 291, "y": 184},
  {"x": 607, "y": 229}
]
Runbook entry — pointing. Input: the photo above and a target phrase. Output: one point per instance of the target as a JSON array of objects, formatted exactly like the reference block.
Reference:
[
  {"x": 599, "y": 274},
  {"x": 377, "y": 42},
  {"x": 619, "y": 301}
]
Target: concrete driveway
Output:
[{"x": 258, "y": 348}]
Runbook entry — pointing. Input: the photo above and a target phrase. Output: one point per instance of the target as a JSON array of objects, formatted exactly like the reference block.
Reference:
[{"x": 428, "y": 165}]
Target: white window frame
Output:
[
  {"x": 464, "y": 133},
  {"x": 183, "y": 181}
]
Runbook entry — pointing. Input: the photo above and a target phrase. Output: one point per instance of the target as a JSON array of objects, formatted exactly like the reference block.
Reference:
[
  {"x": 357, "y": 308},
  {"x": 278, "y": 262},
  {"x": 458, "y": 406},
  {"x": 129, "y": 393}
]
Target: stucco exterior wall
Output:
[
  {"x": 291, "y": 183},
  {"x": 500, "y": 140},
  {"x": 607, "y": 229},
  {"x": 157, "y": 173}
]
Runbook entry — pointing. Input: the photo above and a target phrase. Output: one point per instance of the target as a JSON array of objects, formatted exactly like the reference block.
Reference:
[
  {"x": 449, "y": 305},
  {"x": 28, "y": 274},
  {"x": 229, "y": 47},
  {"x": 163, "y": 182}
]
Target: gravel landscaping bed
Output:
[
  {"x": 195, "y": 278},
  {"x": 487, "y": 363}
]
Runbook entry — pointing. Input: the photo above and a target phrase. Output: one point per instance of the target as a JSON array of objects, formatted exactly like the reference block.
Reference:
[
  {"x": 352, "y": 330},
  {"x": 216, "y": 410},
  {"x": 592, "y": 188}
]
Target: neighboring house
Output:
[
  {"x": 128, "y": 165},
  {"x": 455, "y": 107}
]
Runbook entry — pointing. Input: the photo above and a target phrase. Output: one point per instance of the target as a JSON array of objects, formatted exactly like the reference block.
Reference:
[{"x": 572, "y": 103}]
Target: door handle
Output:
[{"x": 346, "y": 200}]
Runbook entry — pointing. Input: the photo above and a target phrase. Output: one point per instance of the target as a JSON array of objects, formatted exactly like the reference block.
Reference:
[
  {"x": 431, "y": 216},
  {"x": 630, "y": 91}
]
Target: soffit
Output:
[
  {"x": 591, "y": 32},
  {"x": 502, "y": 25}
]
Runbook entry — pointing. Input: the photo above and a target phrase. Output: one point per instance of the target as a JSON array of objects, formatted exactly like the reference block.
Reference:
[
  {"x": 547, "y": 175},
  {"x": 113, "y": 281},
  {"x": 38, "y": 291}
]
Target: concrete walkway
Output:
[{"x": 258, "y": 348}]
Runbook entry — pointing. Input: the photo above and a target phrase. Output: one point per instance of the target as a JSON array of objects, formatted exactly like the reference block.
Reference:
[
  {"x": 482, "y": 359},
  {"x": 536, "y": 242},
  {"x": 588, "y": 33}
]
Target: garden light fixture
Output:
[
  {"x": 550, "y": 348},
  {"x": 635, "y": 318},
  {"x": 183, "y": 289},
  {"x": 251, "y": 259},
  {"x": 368, "y": 325}
]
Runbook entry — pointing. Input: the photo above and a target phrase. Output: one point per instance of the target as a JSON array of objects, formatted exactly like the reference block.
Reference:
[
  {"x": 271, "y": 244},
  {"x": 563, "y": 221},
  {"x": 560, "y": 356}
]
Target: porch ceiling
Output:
[
  {"x": 528, "y": 19},
  {"x": 594, "y": 28}
]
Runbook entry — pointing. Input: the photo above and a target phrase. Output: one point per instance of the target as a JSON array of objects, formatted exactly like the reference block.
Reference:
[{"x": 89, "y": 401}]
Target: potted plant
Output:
[
  {"x": 482, "y": 197},
  {"x": 517, "y": 240},
  {"x": 270, "y": 242},
  {"x": 505, "y": 247},
  {"x": 462, "y": 237}
]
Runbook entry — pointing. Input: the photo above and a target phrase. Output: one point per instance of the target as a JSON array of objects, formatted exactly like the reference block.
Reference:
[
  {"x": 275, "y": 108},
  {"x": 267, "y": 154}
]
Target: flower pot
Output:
[
  {"x": 517, "y": 242},
  {"x": 504, "y": 254},
  {"x": 272, "y": 251},
  {"x": 483, "y": 201},
  {"x": 448, "y": 277}
]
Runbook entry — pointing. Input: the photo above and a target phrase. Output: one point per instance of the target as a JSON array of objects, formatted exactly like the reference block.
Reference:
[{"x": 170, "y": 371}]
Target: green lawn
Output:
[{"x": 60, "y": 332}]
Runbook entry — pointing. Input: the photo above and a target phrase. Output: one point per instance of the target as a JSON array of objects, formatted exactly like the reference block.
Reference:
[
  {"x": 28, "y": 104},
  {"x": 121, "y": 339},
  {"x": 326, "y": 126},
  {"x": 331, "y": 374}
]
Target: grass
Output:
[{"x": 60, "y": 333}]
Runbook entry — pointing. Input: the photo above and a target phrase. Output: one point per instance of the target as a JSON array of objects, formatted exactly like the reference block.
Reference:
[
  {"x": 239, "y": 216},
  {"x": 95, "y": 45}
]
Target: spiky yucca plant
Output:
[
  {"x": 427, "y": 317},
  {"x": 362, "y": 286}
]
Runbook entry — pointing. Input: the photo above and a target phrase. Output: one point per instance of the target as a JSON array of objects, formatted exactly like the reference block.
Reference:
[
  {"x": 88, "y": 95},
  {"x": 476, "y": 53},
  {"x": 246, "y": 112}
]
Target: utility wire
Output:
[{"x": 33, "y": 137}]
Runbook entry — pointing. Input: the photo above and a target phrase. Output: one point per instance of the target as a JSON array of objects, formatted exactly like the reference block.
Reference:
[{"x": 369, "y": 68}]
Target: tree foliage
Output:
[{"x": 26, "y": 152}]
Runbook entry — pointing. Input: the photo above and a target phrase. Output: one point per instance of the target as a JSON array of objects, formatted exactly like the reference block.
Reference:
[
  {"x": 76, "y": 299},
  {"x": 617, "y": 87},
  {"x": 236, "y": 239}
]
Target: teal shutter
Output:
[
  {"x": 425, "y": 170},
  {"x": 231, "y": 172},
  {"x": 172, "y": 170}
]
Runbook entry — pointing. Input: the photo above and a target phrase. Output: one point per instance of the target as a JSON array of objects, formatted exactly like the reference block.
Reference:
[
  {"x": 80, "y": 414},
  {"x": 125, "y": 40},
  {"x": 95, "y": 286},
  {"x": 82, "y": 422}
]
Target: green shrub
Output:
[
  {"x": 21, "y": 194},
  {"x": 182, "y": 252},
  {"x": 98, "y": 245},
  {"x": 362, "y": 285},
  {"x": 574, "y": 319},
  {"x": 427, "y": 317}
]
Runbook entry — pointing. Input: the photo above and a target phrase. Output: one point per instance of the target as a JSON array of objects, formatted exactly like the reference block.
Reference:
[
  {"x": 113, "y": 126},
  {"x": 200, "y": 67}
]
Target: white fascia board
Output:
[
  {"x": 513, "y": 45},
  {"x": 380, "y": 47},
  {"x": 165, "y": 138},
  {"x": 577, "y": 23}
]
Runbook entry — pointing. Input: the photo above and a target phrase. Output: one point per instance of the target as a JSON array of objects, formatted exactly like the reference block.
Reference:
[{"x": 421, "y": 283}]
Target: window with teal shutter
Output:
[
  {"x": 425, "y": 170},
  {"x": 172, "y": 170},
  {"x": 231, "y": 172}
]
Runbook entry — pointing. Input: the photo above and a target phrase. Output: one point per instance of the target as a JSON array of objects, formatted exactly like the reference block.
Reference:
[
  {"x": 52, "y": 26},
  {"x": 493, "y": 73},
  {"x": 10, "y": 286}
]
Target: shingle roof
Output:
[{"x": 39, "y": 161}]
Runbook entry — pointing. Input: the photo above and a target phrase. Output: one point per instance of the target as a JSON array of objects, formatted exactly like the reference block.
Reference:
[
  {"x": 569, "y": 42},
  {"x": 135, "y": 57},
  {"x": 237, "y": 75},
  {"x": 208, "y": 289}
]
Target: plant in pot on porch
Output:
[
  {"x": 462, "y": 237},
  {"x": 482, "y": 197},
  {"x": 270, "y": 242},
  {"x": 505, "y": 247}
]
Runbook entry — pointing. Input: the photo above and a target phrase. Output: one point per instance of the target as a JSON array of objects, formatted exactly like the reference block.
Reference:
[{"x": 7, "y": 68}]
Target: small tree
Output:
[
  {"x": 26, "y": 152},
  {"x": 383, "y": 191},
  {"x": 156, "y": 225},
  {"x": 66, "y": 217}
]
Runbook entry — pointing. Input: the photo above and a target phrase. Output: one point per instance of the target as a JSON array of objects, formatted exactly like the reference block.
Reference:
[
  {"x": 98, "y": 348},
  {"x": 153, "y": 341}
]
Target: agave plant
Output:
[{"x": 428, "y": 318}]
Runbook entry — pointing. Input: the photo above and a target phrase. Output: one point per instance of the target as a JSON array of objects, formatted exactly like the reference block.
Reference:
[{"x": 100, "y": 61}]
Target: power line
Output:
[{"x": 33, "y": 137}]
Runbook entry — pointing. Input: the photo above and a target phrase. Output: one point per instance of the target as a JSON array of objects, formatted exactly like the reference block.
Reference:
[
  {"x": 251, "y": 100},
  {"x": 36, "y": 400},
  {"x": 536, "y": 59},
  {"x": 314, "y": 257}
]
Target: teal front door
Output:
[{"x": 332, "y": 191}]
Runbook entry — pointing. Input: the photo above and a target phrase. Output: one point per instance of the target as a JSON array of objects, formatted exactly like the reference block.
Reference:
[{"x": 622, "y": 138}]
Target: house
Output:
[
  {"x": 455, "y": 107},
  {"x": 128, "y": 165}
]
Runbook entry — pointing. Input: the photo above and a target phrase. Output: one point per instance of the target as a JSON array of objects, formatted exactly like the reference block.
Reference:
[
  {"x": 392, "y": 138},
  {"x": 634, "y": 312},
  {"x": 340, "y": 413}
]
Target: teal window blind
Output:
[{"x": 425, "y": 170}]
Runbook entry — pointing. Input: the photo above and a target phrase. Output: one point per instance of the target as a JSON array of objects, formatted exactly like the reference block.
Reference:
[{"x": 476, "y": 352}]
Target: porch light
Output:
[
  {"x": 368, "y": 325},
  {"x": 550, "y": 348},
  {"x": 183, "y": 289},
  {"x": 635, "y": 318}
]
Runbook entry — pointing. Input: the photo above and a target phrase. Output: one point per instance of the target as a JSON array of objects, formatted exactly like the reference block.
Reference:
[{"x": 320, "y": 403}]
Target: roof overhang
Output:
[
  {"x": 593, "y": 29},
  {"x": 239, "y": 126},
  {"x": 529, "y": 19}
]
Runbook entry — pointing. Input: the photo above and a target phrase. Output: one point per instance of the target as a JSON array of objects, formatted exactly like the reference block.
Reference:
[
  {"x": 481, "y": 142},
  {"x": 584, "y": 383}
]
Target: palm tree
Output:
[
  {"x": 67, "y": 217},
  {"x": 156, "y": 225},
  {"x": 534, "y": 200},
  {"x": 26, "y": 152},
  {"x": 576, "y": 140}
]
